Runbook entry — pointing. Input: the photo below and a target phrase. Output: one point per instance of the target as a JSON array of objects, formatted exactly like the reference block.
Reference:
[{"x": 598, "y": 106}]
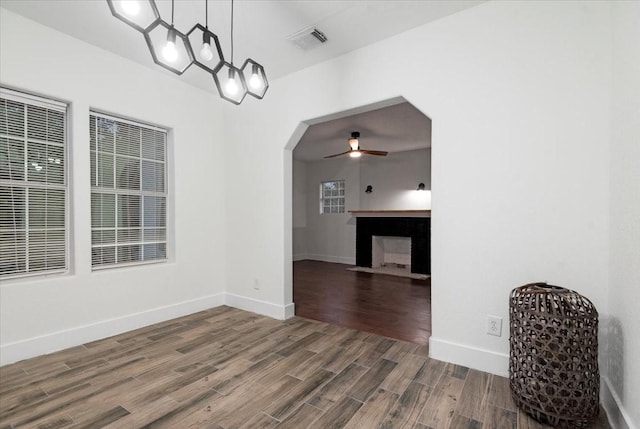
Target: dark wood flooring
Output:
[
  {"x": 394, "y": 307},
  {"x": 226, "y": 368}
]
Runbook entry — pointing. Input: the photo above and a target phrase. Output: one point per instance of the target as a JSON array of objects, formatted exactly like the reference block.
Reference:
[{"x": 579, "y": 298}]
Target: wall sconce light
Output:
[
  {"x": 421, "y": 187},
  {"x": 369, "y": 189}
]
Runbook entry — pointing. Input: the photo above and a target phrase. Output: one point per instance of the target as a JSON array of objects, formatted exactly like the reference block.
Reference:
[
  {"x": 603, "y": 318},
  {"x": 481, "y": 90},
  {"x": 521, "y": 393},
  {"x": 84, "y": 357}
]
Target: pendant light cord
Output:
[
  {"x": 206, "y": 14},
  {"x": 172, "y": 8},
  {"x": 231, "y": 32}
]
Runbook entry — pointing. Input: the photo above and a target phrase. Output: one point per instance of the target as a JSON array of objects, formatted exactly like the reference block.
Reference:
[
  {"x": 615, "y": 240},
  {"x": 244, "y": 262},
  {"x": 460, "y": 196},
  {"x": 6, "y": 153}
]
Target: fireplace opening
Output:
[
  {"x": 391, "y": 253},
  {"x": 414, "y": 229}
]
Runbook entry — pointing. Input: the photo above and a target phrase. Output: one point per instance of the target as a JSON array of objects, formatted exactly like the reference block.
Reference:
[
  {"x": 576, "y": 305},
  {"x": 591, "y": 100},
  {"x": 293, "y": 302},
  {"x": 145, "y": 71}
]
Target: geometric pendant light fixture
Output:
[
  {"x": 169, "y": 47},
  {"x": 229, "y": 79},
  {"x": 230, "y": 82},
  {"x": 257, "y": 83},
  {"x": 208, "y": 53},
  {"x": 138, "y": 14},
  {"x": 177, "y": 51}
]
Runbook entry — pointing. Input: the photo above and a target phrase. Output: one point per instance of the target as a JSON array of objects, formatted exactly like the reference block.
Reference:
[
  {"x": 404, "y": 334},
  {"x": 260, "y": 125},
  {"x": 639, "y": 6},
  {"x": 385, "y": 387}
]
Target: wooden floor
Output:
[
  {"x": 386, "y": 305},
  {"x": 226, "y": 368}
]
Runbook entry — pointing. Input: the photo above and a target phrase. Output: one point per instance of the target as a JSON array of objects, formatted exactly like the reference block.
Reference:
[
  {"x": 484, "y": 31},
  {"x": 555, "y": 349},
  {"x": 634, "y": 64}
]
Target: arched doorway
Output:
[{"x": 395, "y": 303}]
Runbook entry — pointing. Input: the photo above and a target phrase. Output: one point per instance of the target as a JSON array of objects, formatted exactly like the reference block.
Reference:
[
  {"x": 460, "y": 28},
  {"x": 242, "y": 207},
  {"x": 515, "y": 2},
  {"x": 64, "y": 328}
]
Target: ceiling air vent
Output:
[{"x": 308, "y": 38}]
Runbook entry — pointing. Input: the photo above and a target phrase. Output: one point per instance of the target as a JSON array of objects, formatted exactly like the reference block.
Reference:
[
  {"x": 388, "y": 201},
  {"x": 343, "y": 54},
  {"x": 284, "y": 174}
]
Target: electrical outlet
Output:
[{"x": 494, "y": 325}]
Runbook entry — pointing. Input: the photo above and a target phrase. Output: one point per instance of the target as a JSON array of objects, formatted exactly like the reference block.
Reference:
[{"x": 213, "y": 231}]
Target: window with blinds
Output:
[
  {"x": 128, "y": 192},
  {"x": 33, "y": 186}
]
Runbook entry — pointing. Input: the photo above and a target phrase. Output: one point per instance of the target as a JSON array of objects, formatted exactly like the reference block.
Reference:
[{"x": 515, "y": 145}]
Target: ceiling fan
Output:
[{"x": 355, "y": 150}]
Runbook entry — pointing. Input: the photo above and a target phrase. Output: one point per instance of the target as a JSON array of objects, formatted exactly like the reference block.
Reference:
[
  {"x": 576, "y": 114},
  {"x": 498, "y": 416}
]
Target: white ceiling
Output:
[
  {"x": 261, "y": 27},
  {"x": 395, "y": 128}
]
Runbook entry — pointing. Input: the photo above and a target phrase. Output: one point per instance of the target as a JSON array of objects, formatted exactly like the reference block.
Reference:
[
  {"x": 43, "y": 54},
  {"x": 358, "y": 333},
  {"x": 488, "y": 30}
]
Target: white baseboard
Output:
[
  {"x": 618, "y": 416},
  {"x": 289, "y": 310},
  {"x": 471, "y": 357},
  {"x": 49, "y": 343},
  {"x": 330, "y": 258},
  {"x": 300, "y": 257},
  {"x": 261, "y": 307}
]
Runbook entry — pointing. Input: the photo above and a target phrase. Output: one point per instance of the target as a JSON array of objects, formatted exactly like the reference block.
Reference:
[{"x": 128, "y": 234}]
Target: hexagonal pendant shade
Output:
[
  {"x": 231, "y": 83},
  {"x": 169, "y": 47},
  {"x": 173, "y": 49},
  {"x": 257, "y": 83},
  {"x": 139, "y": 14},
  {"x": 206, "y": 58}
]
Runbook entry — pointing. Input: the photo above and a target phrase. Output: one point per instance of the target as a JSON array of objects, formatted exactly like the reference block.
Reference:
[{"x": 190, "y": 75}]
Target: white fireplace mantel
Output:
[{"x": 390, "y": 213}]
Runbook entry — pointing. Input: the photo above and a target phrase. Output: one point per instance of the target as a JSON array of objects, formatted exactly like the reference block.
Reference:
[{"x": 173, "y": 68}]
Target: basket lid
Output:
[{"x": 553, "y": 300}]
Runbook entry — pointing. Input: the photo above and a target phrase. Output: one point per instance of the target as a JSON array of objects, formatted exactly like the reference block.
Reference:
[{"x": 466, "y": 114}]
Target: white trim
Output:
[
  {"x": 618, "y": 416},
  {"x": 261, "y": 307},
  {"x": 35, "y": 100},
  {"x": 330, "y": 258},
  {"x": 289, "y": 310},
  {"x": 469, "y": 356},
  {"x": 60, "y": 340},
  {"x": 300, "y": 257},
  {"x": 45, "y": 102},
  {"x": 49, "y": 343},
  {"x": 135, "y": 122}
]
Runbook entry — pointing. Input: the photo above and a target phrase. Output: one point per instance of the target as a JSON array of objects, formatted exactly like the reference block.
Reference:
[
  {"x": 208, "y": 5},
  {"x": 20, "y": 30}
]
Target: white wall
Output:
[
  {"x": 332, "y": 237},
  {"x": 518, "y": 93},
  {"x": 523, "y": 175},
  {"x": 41, "y": 314},
  {"x": 395, "y": 180},
  {"x": 299, "y": 209},
  {"x": 622, "y": 370}
]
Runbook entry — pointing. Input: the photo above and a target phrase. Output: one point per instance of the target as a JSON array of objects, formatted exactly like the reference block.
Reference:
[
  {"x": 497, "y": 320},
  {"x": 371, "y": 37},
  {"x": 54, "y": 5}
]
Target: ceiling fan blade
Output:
[
  {"x": 338, "y": 154},
  {"x": 374, "y": 152}
]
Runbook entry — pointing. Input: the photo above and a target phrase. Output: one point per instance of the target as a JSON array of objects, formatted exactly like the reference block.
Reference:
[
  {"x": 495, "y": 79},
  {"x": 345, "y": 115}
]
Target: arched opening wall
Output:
[{"x": 516, "y": 174}]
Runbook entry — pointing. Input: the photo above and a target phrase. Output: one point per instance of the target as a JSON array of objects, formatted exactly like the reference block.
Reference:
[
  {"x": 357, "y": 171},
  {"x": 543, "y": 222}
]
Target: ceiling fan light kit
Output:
[
  {"x": 173, "y": 50},
  {"x": 355, "y": 151},
  {"x": 353, "y": 141}
]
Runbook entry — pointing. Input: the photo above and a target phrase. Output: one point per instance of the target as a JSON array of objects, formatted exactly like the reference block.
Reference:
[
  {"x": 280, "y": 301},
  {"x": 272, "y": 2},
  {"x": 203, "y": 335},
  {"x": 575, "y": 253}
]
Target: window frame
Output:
[
  {"x": 116, "y": 192},
  {"x": 341, "y": 187},
  {"x": 30, "y": 99}
]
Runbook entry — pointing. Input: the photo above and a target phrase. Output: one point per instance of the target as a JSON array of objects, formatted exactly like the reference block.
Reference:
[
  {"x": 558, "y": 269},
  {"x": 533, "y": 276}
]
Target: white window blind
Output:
[
  {"x": 33, "y": 188},
  {"x": 332, "y": 196},
  {"x": 128, "y": 192}
]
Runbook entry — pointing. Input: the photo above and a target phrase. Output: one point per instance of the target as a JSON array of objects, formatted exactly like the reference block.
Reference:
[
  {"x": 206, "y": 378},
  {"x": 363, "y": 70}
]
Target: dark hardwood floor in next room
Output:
[{"x": 394, "y": 307}]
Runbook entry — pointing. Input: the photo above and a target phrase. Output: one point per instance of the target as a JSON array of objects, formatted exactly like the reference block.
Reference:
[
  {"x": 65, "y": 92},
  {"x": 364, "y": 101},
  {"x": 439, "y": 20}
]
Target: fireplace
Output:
[
  {"x": 391, "y": 250},
  {"x": 415, "y": 229}
]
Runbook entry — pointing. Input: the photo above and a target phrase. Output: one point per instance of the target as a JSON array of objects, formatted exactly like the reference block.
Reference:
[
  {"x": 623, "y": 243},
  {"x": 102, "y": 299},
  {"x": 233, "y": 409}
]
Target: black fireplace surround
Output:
[{"x": 418, "y": 228}]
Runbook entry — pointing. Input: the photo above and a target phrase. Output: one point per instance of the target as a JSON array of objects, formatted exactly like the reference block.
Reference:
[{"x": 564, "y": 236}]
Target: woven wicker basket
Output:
[{"x": 553, "y": 362}]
